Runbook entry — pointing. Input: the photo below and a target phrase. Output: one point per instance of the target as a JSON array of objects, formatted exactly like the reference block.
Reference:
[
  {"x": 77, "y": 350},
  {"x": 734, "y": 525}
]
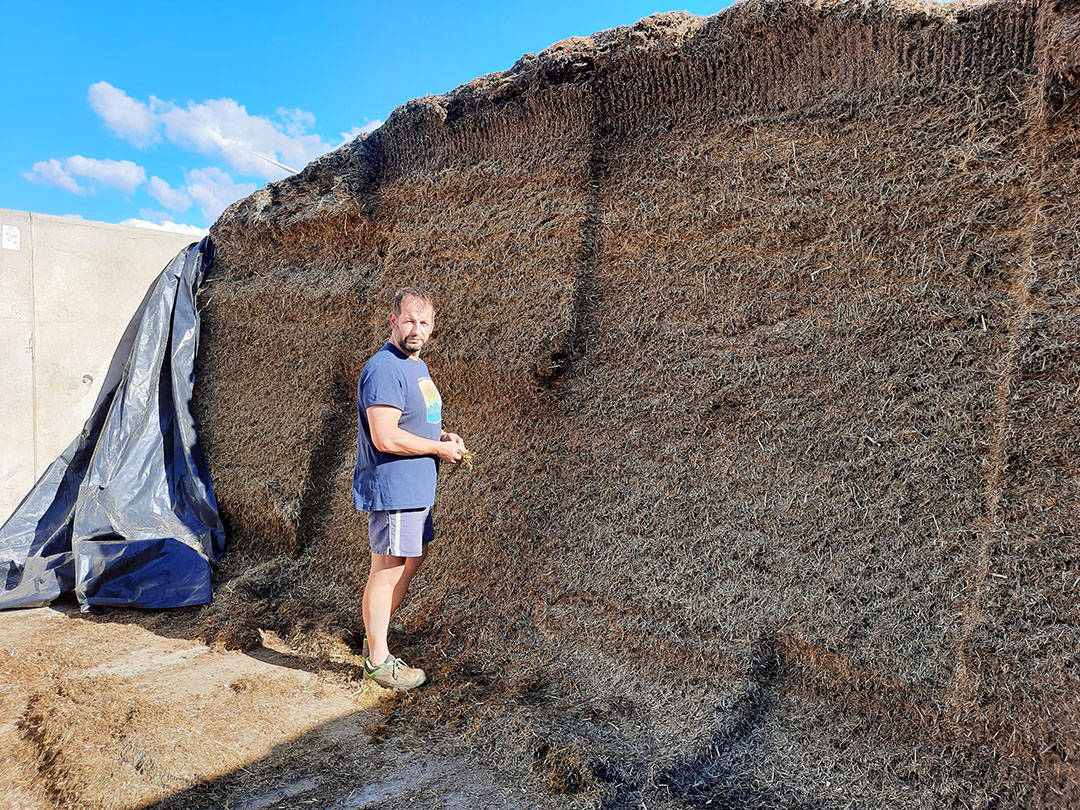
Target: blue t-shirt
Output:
[{"x": 383, "y": 480}]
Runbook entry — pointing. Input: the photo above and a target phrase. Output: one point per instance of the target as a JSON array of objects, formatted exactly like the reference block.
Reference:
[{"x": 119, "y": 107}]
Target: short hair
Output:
[{"x": 418, "y": 293}]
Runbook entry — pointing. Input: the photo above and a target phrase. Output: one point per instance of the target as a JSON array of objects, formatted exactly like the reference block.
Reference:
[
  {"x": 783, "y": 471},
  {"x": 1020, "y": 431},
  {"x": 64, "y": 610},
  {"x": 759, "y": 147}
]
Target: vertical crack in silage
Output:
[
  {"x": 569, "y": 356},
  {"x": 962, "y": 700},
  {"x": 327, "y": 457}
]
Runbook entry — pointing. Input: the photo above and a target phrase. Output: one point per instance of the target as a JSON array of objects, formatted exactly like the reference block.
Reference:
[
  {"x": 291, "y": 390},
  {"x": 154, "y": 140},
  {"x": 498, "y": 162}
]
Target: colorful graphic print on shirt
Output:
[{"x": 431, "y": 399}]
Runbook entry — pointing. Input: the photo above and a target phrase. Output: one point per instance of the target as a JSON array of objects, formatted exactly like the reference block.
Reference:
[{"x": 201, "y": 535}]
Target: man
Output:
[{"x": 400, "y": 438}]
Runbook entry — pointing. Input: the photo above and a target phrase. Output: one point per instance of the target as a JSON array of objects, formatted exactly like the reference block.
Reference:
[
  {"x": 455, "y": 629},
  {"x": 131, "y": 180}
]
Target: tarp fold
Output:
[{"x": 126, "y": 515}]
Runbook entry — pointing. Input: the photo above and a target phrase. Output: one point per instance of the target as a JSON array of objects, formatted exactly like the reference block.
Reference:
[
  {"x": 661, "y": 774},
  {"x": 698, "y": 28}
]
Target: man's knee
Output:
[
  {"x": 412, "y": 563},
  {"x": 381, "y": 562}
]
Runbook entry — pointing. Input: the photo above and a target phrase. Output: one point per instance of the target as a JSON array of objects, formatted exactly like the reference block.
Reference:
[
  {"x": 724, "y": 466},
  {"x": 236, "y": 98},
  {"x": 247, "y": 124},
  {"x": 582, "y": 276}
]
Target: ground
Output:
[{"x": 127, "y": 711}]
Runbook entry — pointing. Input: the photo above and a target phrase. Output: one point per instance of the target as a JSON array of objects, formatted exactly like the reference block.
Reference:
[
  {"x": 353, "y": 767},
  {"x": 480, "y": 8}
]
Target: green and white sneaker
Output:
[{"x": 394, "y": 673}]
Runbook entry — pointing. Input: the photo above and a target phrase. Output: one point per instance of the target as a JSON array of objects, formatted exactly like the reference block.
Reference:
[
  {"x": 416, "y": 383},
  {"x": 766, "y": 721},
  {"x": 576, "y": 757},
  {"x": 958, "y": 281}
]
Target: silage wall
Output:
[{"x": 764, "y": 329}]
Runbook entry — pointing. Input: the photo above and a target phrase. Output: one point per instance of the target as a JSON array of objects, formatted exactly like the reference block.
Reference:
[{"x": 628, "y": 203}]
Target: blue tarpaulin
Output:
[{"x": 126, "y": 515}]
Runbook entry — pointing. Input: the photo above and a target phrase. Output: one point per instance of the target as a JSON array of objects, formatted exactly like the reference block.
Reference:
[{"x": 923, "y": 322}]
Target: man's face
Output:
[{"x": 410, "y": 330}]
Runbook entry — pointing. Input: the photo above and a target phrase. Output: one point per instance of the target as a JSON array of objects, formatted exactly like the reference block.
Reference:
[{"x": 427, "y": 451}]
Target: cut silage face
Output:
[{"x": 767, "y": 446}]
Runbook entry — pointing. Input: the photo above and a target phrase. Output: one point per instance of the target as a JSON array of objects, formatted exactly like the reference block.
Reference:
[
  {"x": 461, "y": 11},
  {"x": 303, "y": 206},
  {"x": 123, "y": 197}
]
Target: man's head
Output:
[{"x": 411, "y": 320}]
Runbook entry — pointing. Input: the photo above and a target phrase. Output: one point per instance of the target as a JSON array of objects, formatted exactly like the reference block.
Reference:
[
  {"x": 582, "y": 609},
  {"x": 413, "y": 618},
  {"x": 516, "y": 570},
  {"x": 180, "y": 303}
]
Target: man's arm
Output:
[{"x": 389, "y": 438}]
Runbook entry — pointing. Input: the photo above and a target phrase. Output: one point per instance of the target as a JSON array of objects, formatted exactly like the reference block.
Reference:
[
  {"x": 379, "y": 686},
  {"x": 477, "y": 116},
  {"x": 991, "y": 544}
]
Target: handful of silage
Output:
[{"x": 466, "y": 459}]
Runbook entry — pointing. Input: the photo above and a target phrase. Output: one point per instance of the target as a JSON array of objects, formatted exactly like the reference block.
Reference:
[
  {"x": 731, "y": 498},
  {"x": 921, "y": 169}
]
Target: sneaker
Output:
[{"x": 394, "y": 674}]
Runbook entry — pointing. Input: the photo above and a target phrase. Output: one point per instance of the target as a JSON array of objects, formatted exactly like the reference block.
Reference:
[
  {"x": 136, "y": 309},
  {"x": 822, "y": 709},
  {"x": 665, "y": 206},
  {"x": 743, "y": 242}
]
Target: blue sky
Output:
[{"x": 122, "y": 111}]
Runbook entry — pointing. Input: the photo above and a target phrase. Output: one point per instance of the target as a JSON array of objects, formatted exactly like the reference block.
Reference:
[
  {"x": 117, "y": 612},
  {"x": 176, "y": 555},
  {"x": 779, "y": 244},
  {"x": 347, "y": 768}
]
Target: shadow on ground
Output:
[{"x": 332, "y": 767}]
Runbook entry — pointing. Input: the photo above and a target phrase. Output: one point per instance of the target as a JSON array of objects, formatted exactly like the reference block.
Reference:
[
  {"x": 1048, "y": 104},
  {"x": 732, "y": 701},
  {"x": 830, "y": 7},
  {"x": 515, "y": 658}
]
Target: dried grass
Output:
[
  {"x": 765, "y": 329},
  {"x": 104, "y": 715}
]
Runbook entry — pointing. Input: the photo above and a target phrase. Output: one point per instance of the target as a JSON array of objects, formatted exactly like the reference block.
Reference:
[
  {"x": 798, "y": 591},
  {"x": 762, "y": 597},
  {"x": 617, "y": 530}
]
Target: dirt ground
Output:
[{"x": 123, "y": 711}]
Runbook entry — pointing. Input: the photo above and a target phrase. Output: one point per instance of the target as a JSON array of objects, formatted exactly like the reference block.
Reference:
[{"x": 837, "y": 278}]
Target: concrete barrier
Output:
[{"x": 68, "y": 288}]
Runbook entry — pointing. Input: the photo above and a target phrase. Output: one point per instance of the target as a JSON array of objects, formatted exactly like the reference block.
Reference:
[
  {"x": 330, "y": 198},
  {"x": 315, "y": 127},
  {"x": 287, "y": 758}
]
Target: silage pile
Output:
[{"x": 764, "y": 328}]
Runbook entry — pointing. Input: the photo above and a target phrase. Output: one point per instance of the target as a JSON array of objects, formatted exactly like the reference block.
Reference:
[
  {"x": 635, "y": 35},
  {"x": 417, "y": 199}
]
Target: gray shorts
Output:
[{"x": 400, "y": 532}]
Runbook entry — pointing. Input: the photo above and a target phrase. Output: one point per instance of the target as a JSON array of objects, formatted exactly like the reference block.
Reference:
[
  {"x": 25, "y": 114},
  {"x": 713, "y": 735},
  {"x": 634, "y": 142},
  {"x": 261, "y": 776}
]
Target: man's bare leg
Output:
[
  {"x": 412, "y": 565},
  {"x": 379, "y": 601}
]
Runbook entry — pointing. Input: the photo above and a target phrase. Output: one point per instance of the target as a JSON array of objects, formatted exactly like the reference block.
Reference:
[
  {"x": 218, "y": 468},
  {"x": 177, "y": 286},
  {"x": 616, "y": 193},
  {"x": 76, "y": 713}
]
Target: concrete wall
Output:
[{"x": 68, "y": 288}]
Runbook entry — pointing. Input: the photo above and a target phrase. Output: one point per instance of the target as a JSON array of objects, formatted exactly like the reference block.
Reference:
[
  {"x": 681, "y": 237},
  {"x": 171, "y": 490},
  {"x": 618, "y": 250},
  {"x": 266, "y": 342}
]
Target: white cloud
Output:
[
  {"x": 266, "y": 147},
  {"x": 214, "y": 190},
  {"x": 173, "y": 199},
  {"x": 121, "y": 174},
  {"x": 154, "y": 216},
  {"x": 297, "y": 122},
  {"x": 52, "y": 172},
  {"x": 223, "y": 128},
  {"x": 220, "y": 128},
  {"x": 192, "y": 230},
  {"x": 370, "y": 126},
  {"x": 128, "y": 118}
]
